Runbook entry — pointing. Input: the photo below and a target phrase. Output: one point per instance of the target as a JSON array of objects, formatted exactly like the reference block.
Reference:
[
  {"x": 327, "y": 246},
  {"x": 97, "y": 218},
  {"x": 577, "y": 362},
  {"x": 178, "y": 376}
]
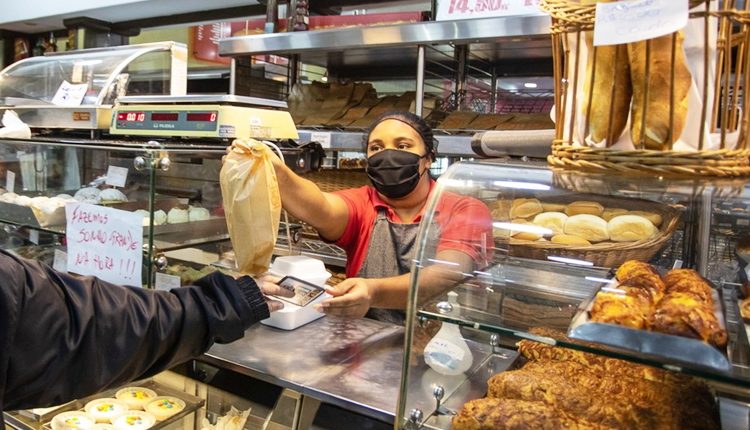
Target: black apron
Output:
[{"x": 390, "y": 253}]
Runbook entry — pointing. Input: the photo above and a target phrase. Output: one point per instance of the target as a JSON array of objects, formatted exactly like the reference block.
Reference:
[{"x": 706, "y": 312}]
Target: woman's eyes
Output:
[{"x": 404, "y": 146}]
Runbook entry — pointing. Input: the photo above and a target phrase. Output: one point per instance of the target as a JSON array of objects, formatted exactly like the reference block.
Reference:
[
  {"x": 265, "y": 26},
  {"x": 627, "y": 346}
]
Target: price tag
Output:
[
  {"x": 467, "y": 9},
  {"x": 70, "y": 94},
  {"x": 323, "y": 138},
  {"x": 116, "y": 176},
  {"x": 34, "y": 237},
  {"x": 104, "y": 242},
  {"x": 60, "y": 263},
  {"x": 743, "y": 222},
  {"x": 10, "y": 181},
  {"x": 166, "y": 282},
  {"x": 635, "y": 20}
]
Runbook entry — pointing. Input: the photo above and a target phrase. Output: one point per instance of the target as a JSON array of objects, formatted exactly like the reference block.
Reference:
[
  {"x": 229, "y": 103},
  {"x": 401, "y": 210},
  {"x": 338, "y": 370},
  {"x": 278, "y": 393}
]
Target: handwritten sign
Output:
[
  {"x": 104, "y": 242},
  {"x": 467, "y": 9},
  {"x": 70, "y": 94},
  {"x": 117, "y": 176},
  {"x": 634, "y": 20},
  {"x": 10, "y": 181}
]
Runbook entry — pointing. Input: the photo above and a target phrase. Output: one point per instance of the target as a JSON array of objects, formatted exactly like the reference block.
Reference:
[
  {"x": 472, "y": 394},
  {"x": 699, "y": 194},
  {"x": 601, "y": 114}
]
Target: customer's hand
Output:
[
  {"x": 351, "y": 298},
  {"x": 268, "y": 285}
]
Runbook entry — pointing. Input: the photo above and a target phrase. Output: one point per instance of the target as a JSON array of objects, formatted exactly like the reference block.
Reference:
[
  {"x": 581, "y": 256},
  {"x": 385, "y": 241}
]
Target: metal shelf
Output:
[
  {"x": 449, "y": 145},
  {"x": 358, "y": 46}
]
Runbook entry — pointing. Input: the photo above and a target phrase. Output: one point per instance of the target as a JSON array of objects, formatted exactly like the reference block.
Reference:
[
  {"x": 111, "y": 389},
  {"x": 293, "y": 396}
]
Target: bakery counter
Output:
[{"x": 352, "y": 364}]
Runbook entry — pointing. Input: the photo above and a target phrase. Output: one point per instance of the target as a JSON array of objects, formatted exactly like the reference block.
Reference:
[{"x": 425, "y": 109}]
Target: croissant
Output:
[
  {"x": 620, "y": 309},
  {"x": 682, "y": 314},
  {"x": 688, "y": 281},
  {"x": 633, "y": 268}
]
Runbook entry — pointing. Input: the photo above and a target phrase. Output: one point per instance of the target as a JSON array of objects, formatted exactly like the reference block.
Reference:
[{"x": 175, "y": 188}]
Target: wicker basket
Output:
[
  {"x": 718, "y": 148},
  {"x": 605, "y": 254}
]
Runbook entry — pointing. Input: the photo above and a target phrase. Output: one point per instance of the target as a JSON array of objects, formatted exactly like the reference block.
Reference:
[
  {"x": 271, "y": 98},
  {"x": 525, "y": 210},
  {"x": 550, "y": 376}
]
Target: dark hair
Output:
[{"x": 414, "y": 121}]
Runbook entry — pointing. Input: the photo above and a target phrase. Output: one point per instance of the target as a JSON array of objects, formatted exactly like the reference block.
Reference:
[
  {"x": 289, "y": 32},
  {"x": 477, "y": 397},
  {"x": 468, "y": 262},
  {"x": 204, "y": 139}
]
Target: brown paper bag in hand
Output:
[{"x": 252, "y": 204}]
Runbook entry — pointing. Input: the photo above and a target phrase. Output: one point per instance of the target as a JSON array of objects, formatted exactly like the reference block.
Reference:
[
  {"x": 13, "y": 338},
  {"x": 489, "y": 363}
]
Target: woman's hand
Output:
[
  {"x": 268, "y": 285},
  {"x": 351, "y": 298}
]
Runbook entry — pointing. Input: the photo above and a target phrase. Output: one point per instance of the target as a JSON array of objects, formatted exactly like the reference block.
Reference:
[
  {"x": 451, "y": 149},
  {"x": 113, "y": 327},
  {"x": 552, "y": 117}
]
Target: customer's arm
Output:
[{"x": 64, "y": 337}]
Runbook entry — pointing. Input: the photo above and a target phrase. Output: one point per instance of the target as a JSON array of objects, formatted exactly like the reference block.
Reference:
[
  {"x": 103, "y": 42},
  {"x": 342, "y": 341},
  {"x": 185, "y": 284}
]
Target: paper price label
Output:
[
  {"x": 117, "y": 176},
  {"x": 324, "y": 139},
  {"x": 466, "y": 9},
  {"x": 70, "y": 94},
  {"x": 60, "y": 263},
  {"x": 10, "y": 181},
  {"x": 162, "y": 281},
  {"x": 34, "y": 237},
  {"x": 635, "y": 20}
]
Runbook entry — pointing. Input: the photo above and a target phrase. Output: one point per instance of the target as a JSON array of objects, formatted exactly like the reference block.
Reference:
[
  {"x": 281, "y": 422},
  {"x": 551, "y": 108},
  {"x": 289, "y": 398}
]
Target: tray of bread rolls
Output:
[
  {"x": 678, "y": 316},
  {"x": 602, "y": 230}
]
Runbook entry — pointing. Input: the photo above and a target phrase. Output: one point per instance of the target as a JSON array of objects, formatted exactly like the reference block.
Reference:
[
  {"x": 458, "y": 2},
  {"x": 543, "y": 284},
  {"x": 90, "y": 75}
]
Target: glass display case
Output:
[
  {"x": 566, "y": 277},
  {"x": 173, "y": 188}
]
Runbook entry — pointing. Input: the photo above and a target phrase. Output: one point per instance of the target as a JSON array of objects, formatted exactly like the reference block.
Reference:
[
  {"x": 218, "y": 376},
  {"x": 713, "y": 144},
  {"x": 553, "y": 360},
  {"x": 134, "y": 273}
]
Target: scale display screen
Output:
[{"x": 178, "y": 120}]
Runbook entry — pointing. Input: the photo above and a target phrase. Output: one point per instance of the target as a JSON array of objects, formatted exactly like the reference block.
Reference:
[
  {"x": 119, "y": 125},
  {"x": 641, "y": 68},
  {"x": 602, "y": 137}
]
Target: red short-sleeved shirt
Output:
[{"x": 465, "y": 225}]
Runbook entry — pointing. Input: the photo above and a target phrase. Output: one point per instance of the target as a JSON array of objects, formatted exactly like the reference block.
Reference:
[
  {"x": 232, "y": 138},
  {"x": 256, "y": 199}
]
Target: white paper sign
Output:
[
  {"x": 117, "y": 176},
  {"x": 323, "y": 138},
  {"x": 60, "y": 263},
  {"x": 104, "y": 242},
  {"x": 10, "y": 181},
  {"x": 634, "y": 20},
  {"x": 162, "y": 281},
  {"x": 70, "y": 94},
  {"x": 34, "y": 237},
  {"x": 467, "y": 9}
]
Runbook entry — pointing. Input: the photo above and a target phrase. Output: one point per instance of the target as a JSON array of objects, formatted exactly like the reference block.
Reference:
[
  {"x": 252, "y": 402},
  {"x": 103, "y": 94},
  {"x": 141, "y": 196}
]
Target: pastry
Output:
[
  {"x": 610, "y": 213},
  {"x": 607, "y": 91},
  {"x": 164, "y": 407},
  {"x": 90, "y": 195},
  {"x": 745, "y": 309},
  {"x": 553, "y": 207},
  {"x": 630, "y": 228},
  {"x": 584, "y": 207},
  {"x": 23, "y": 201},
  {"x": 105, "y": 410},
  {"x": 134, "y": 420},
  {"x": 112, "y": 195},
  {"x": 620, "y": 309},
  {"x": 554, "y": 221},
  {"x": 655, "y": 218},
  {"x": 525, "y": 208},
  {"x": 688, "y": 281},
  {"x": 500, "y": 414},
  {"x": 568, "y": 239},
  {"x": 198, "y": 214},
  {"x": 177, "y": 215},
  {"x": 632, "y": 268},
  {"x": 589, "y": 227},
  {"x": 666, "y": 87},
  {"x": 74, "y": 420},
  {"x": 681, "y": 314},
  {"x": 135, "y": 397},
  {"x": 160, "y": 217}
]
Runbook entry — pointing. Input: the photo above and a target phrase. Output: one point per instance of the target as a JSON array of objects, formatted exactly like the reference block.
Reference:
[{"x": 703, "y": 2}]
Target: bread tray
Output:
[
  {"x": 661, "y": 347},
  {"x": 26, "y": 420}
]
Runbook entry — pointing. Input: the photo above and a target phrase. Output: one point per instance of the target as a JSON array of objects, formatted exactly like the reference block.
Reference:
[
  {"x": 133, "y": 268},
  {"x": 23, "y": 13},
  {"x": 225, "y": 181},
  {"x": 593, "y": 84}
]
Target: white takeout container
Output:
[{"x": 304, "y": 268}]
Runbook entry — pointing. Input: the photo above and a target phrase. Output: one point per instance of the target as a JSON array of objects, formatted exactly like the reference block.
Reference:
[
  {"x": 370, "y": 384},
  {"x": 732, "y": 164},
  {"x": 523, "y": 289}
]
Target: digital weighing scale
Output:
[{"x": 202, "y": 116}]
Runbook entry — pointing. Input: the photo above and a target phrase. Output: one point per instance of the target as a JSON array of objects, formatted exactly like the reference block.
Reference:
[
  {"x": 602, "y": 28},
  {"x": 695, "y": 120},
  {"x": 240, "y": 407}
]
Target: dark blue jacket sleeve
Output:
[{"x": 64, "y": 337}]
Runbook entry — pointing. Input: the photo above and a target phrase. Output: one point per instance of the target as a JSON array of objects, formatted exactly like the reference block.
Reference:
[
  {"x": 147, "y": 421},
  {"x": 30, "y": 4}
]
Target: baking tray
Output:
[
  {"x": 192, "y": 404},
  {"x": 659, "y": 346}
]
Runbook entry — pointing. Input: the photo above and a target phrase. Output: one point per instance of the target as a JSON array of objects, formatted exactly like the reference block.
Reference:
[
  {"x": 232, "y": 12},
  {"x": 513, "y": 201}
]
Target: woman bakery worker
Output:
[{"x": 377, "y": 225}]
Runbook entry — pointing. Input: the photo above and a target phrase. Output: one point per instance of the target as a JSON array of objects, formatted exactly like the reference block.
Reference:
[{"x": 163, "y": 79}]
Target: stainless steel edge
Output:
[
  {"x": 352, "y": 141},
  {"x": 469, "y": 31},
  {"x": 202, "y": 98}
]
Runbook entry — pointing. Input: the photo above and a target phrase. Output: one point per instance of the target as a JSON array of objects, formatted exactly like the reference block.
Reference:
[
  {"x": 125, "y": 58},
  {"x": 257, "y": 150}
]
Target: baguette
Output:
[{"x": 652, "y": 94}]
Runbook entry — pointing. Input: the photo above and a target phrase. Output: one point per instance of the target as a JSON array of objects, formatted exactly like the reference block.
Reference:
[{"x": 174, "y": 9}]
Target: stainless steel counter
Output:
[{"x": 354, "y": 364}]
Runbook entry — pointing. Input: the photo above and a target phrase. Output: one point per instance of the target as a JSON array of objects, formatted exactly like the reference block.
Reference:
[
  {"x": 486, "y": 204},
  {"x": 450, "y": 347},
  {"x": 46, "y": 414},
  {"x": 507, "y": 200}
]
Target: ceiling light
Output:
[{"x": 530, "y": 85}]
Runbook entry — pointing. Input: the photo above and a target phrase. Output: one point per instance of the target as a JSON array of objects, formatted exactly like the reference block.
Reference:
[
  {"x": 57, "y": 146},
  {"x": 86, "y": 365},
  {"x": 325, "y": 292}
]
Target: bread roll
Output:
[
  {"x": 610, "y": 213},
  {"x": 589, "y": 227},
  {"x": 630, "y": 228},
  {"x": 607, "y": 91},
  {"x": 527, "y": 235},
  {"x": 584, "y": 207},
  {"x": 553, "y": 207},
  {"x": 653, "y": 217},
  {"x": 554, "y": 221},
  {"x": 658, "y": 85},
  {"x": 525, "y": 208},
  {"x": 567, "y": 239}
]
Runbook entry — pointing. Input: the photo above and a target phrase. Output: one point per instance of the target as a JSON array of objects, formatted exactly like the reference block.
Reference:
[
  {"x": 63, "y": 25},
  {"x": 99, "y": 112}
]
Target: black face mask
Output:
[{"x": 394, "y": 173}]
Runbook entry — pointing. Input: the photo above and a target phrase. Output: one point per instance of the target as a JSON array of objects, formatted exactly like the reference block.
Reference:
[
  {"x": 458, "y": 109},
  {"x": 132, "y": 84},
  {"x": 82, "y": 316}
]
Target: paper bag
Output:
[{"x": 252, "y": 204}]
